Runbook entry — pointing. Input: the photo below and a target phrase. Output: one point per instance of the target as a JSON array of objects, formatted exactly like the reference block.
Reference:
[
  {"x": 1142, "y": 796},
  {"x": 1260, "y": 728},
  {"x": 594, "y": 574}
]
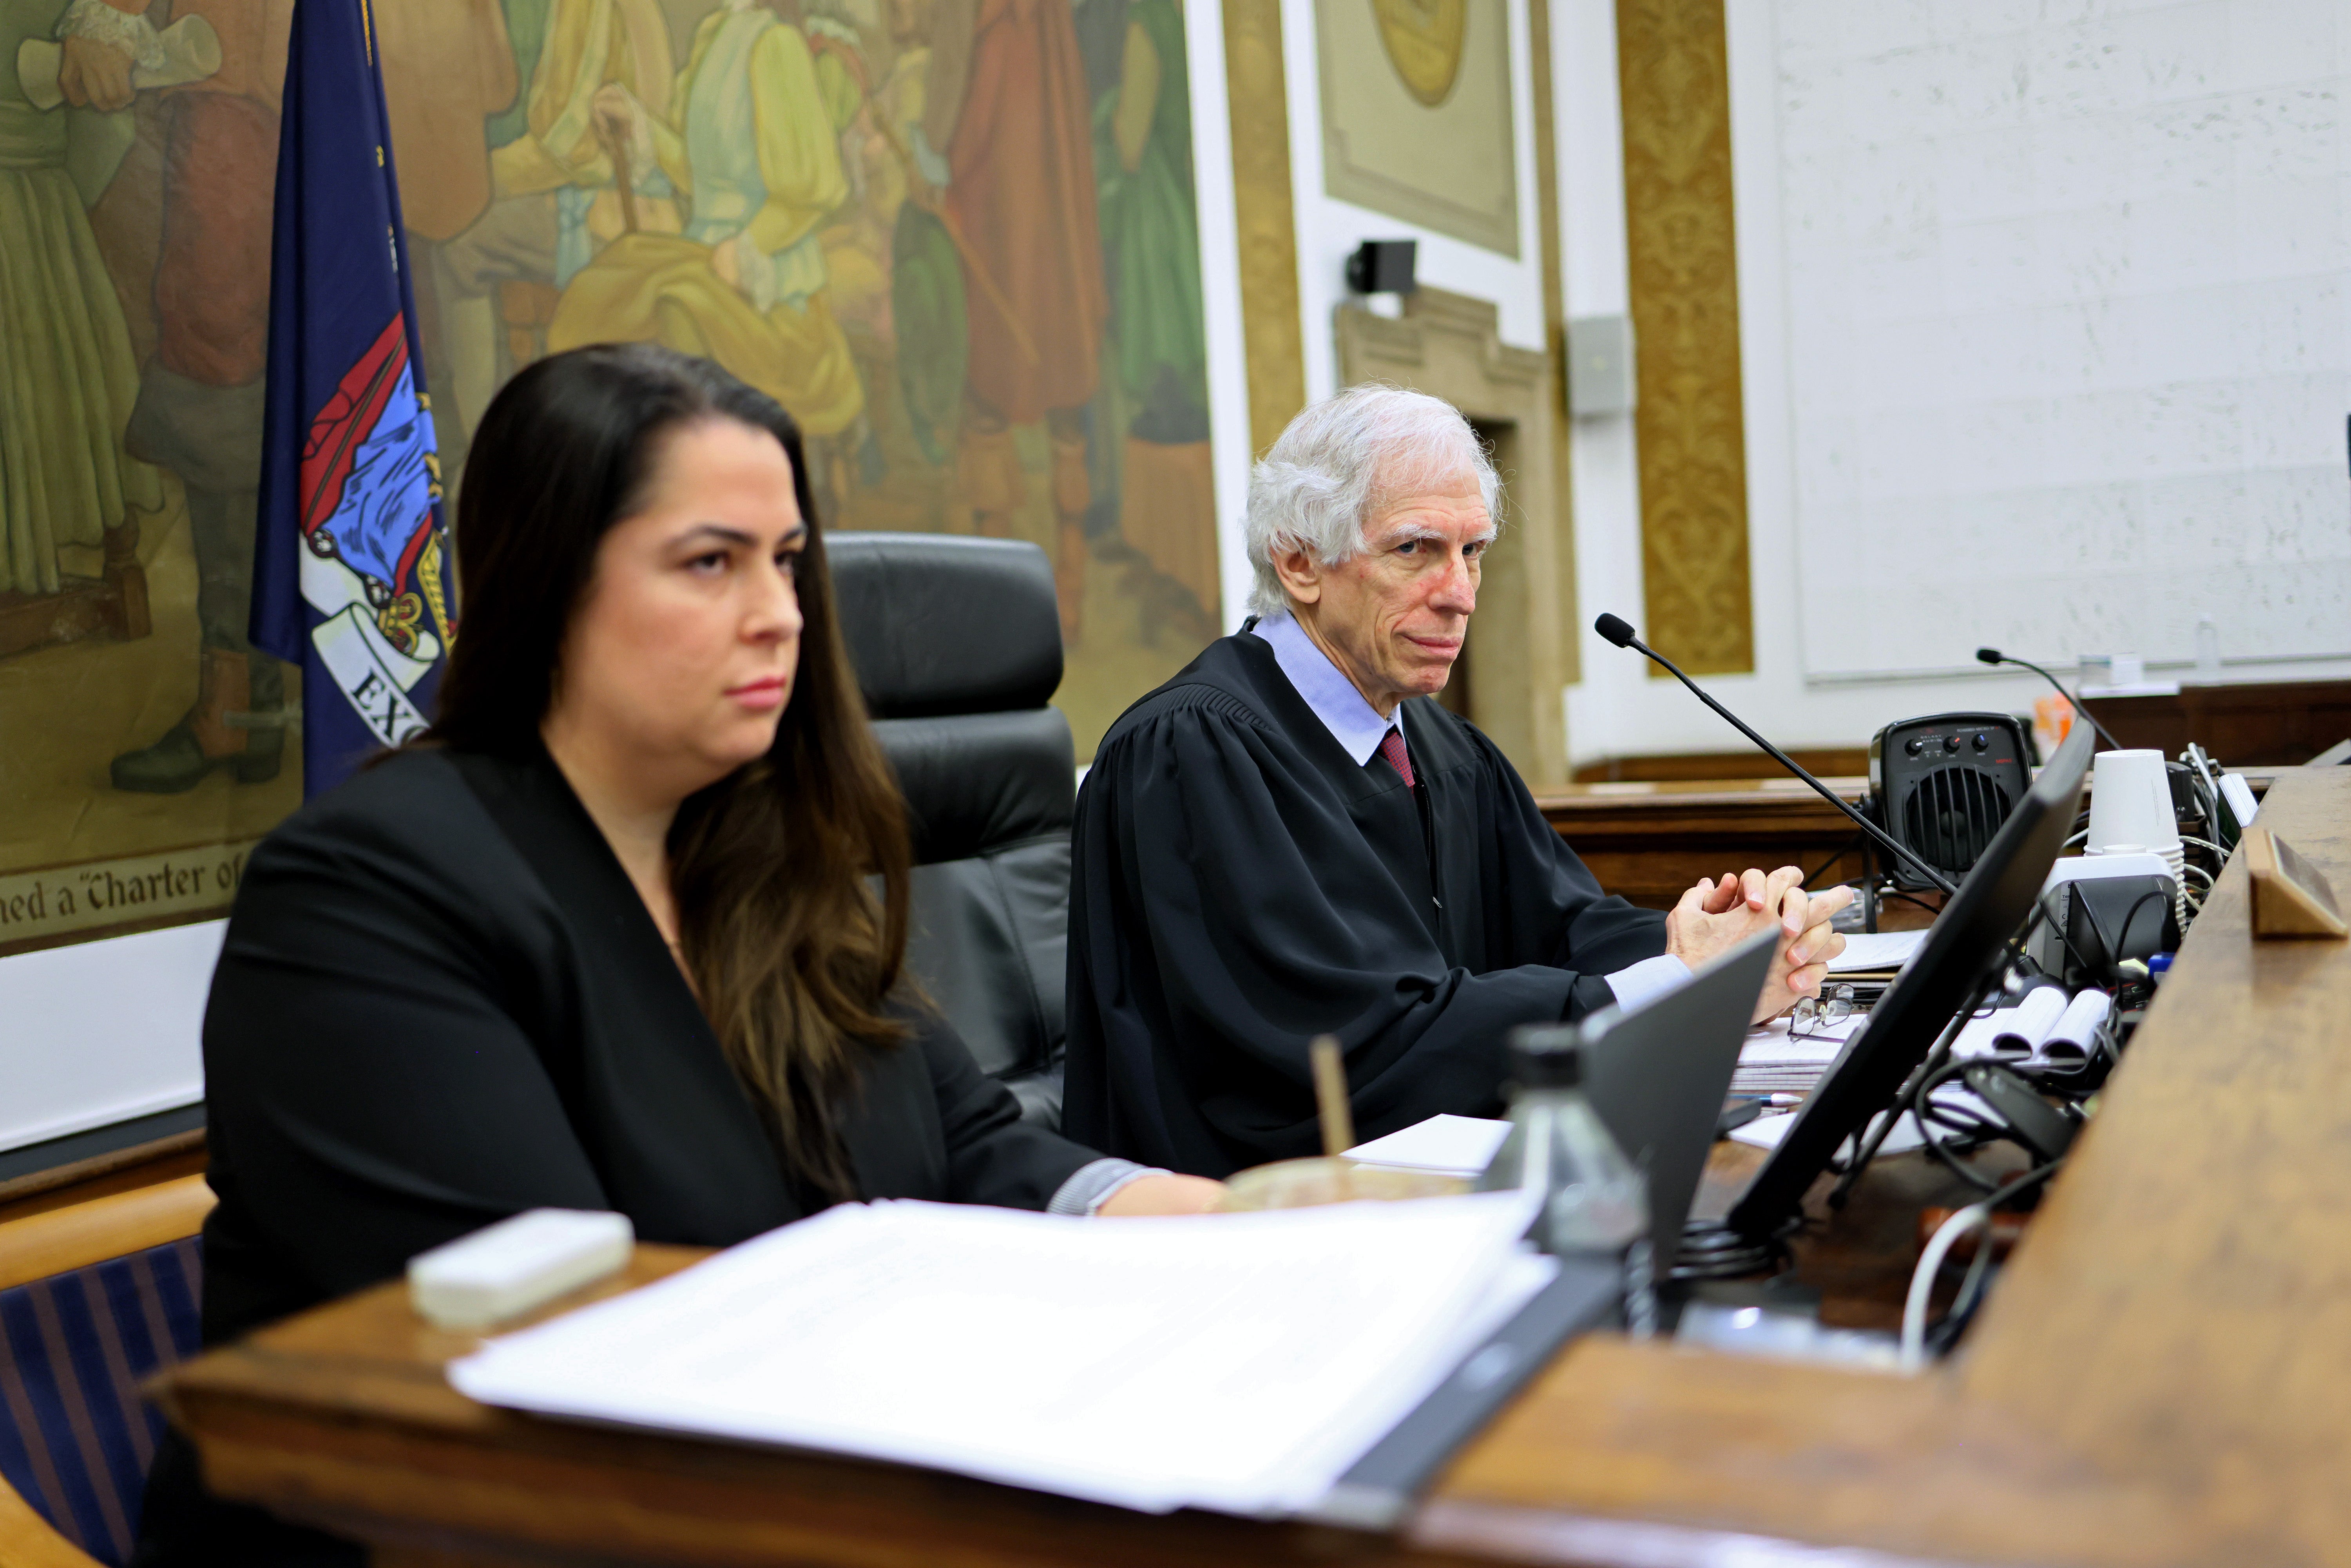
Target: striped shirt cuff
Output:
[{"x": 1091, "y": 1185}]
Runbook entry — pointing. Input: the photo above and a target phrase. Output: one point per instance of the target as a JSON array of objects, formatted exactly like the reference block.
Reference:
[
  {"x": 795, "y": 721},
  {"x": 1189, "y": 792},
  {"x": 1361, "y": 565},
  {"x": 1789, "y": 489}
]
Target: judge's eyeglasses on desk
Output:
[{"x": 1813, "y": 1016}]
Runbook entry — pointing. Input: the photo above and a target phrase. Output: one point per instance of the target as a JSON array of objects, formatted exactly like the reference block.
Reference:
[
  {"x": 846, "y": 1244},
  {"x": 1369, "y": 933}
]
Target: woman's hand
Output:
[{"x": 1163, "y": 1195}]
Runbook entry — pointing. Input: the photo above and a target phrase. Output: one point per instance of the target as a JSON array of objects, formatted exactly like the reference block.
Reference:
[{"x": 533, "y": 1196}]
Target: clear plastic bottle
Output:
[
  {"x": 1597, "y": 1202},
  {"x": 2208, "y": 652}
]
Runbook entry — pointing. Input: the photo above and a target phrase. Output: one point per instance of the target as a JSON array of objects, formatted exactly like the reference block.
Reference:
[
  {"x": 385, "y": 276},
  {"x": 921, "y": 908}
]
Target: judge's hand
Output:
[
  {"x": 1163, "y": 1195},
  {"x": 94, "y": 75},
  {"x": 1714, "y": 917}
]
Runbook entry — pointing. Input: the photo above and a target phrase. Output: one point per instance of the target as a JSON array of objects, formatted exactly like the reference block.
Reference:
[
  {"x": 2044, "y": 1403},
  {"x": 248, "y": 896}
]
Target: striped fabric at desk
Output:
[{"x": 76, "y": 1439}]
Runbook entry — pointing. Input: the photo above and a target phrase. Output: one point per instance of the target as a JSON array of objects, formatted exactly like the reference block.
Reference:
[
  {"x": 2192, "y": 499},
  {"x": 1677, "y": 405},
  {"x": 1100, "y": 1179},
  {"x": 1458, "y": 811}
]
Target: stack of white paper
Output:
[
  {"x": 1876, "y": 951},
  {"x": 1233, "y": 1362},
  {"x": 1775, "y": 1059},
  {"x": 1446, "y": 1144}
]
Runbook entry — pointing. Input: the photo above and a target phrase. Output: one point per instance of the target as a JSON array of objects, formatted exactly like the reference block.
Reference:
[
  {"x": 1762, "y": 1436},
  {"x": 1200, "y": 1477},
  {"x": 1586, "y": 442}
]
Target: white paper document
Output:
[
  {"x": 1876, "y": 950},
  {"x": 1452, "y": 1145},
  {"x": 1766, "y": 1131},
  {"x": 1779, "y": 1044},
  {"x": 1234, "y": 1361},
  {"x": 1775, "y": 1059}
]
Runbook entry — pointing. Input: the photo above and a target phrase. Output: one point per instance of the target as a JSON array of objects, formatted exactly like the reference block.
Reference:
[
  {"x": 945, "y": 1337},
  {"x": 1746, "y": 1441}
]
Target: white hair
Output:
[{"x": 1342, "y": 462}]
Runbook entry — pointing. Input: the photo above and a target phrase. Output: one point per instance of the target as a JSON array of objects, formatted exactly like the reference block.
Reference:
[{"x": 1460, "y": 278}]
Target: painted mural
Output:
[{"x": 956, "y": 238}]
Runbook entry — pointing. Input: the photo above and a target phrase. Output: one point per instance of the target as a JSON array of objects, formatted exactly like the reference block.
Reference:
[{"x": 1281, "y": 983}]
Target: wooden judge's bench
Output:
[
  {"x": 1649, "y": 840},
  {"x": 2162, "y": 1376},
  {"x": 1650, "y": 826}
]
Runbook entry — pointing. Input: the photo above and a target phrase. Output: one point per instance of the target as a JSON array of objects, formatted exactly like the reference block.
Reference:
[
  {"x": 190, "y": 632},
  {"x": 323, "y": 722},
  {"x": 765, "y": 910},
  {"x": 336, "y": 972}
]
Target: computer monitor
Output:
[{"x": 1961, "y": 948}]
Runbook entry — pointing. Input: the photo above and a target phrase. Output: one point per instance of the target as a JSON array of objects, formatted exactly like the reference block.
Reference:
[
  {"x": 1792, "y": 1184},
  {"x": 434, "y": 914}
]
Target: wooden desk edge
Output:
[{"x": 342, "y": 1418}]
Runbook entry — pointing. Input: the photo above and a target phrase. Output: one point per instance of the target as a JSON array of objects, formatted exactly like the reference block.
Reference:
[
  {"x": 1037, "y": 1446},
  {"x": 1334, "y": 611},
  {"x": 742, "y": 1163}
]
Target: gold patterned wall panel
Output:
[
  {"x": 1260, "y": 106},
  {"x": 1554, "y": 328},
  {"x": 1685, "y": 275}
]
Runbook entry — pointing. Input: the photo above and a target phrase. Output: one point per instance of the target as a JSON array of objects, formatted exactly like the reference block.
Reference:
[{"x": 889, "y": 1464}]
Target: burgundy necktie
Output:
[{"x": 1392, "y": 747}]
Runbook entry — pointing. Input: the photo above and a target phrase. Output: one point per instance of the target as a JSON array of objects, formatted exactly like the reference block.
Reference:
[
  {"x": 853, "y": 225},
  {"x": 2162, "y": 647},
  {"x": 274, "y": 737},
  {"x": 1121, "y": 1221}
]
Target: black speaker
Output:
[
  {"x": 1382, "y": 265},
  {"x": 1944, "y": 785}
]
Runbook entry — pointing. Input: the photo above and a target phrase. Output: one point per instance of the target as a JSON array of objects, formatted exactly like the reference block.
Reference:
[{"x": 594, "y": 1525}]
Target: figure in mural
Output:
[
  {"x": 1151, "y": 230},
  {"x": 928, "y": 338},
  {"x": 70, "y": 379},
  {"x": 862, "y": 77},
  {"x": 448, "y": 66},
  {"x": 553, "y": 203},
  {"x": 199, "y": 409},
  {"x": 1008, "y": 112},
  {"x": 753, "y": 147},
  {"x": 956, "y": 237}
]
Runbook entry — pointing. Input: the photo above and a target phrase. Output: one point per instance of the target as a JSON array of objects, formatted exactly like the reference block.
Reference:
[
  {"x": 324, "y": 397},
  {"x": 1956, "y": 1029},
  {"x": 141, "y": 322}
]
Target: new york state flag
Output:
[{"x": 352, "y": 573}]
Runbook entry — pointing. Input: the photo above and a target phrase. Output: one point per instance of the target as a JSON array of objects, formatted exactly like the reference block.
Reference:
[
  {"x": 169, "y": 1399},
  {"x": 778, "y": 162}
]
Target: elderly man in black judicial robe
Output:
[{"x": 1292, "y": 838}]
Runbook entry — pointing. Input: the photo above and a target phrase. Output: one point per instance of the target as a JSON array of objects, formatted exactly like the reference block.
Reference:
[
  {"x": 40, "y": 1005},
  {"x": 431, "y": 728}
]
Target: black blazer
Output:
[{"x": 441, "y": 1002}]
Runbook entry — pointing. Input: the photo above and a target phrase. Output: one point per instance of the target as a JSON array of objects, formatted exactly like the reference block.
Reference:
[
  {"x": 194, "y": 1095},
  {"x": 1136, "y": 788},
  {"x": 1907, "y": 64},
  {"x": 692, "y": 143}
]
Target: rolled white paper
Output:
[
  {"x": 2069, "y": 1043},
  {"x": 2031, "y": 1019}
]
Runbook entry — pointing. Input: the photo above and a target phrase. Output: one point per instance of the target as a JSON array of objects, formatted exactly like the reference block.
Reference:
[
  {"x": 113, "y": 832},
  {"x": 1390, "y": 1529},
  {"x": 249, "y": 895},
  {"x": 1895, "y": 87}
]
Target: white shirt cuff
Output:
[{"x": 1648, "y": 980}]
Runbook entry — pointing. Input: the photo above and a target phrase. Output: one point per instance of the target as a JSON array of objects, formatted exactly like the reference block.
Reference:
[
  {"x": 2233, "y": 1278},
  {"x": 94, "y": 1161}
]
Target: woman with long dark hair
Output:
[{"x": 605, "y": 939}]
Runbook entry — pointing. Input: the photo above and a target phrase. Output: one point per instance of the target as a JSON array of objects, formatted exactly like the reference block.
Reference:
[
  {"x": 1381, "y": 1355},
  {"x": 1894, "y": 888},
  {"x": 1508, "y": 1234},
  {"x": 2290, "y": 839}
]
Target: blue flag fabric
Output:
[{"x": 353, "y": 578}]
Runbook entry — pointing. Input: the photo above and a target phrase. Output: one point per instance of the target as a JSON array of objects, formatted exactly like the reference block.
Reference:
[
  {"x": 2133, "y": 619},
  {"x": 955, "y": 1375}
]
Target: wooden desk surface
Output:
[
  {"x": 1648, "y": 806},
  {"x": 1649, "y": 840},
  {"x": 2162, "y": 1376}
]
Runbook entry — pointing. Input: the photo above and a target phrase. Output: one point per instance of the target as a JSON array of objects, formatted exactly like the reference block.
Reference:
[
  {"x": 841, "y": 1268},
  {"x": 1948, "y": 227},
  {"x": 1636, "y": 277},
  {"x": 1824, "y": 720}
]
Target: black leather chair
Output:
[{"x": 957, "y": 646}]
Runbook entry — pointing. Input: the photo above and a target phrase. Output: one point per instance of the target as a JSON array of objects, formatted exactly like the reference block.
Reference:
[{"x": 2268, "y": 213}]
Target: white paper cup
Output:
[{"x": 2130, "y": 804}]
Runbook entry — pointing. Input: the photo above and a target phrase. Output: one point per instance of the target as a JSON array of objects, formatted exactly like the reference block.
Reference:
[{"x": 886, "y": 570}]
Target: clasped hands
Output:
[
  {"x": 1711, "y": 918},
  {"x": 1715, "y": 916}
]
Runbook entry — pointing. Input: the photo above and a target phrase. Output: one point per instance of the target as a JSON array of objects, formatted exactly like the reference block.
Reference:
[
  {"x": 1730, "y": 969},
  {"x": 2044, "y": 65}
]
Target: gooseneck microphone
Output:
[
  {"x": 1994, "y": 656},
  {"x": 1620, "y": 632}
]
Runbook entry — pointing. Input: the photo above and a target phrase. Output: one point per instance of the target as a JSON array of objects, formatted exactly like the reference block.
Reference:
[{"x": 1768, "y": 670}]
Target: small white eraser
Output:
[{"x": 504, "y": 1269}]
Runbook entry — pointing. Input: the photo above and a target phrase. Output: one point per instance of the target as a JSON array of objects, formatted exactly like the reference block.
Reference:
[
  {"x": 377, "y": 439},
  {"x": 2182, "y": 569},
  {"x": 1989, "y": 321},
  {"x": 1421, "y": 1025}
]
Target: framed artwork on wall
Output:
[{"x": 957, "y": 239}]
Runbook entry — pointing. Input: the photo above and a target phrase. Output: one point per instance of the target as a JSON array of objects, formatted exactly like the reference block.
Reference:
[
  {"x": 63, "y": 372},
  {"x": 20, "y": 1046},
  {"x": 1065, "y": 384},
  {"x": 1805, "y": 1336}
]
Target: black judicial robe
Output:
[
  {"x": 441, "y": 1002},
  {"x": 1238, "y": 885}
]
